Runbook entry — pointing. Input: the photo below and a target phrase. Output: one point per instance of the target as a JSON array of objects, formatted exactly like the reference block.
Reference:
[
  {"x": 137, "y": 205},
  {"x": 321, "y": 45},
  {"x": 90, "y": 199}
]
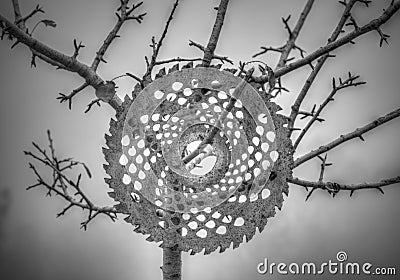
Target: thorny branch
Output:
[
  {"x": 21, "y": 23},
  {"x": 20, "y": 33},
  {"x": 324, "y": 164},
  {"x": 63, "y": 186},
  {"x": 333, "y": 45},
  {"x": 156, "y": 46},
  {"x": 125, "y": 14},
  {"x": 358, "y": 133},
  {"x": 291, "y": 42},
  {"x": 24, "y": 19},
  {"x": 293, "y": 34},
  {"x": 333, "y": 188},
  {"x": 177, "y": 59},
  {"x": 315, "y": 115},
  {"x": 268, "y": 49},
  {"x": 306, "y": 87},
  {"x": 69, "y": 97},
  {"x": 223, "y": 59}
]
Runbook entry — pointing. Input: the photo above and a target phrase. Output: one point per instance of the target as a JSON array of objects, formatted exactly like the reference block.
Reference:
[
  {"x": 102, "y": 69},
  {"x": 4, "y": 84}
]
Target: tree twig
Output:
[
  {"x": 307, "y": 85},
  {"x": 293, "y": 34},
  {"x": 70, "y": 63},
  {"x": 18, "y": 15},
  {"x": 333, "y": 187},
  {"x": 24, "y": 19},
  {"x": 124, "y": 14},
  {"x": 358, "y": 133},
  {"x": 177, "y": 59},
  {"x": 93, "y": 102},
  {"x": 269, "y": 49},
  {"x": 216, "y": 31},
  {"x": 223, "y": 59},
  {"x": 371, "y": 26},
  {"x": 63, "y": 97},
  {"x": 156, "y": 46},
  {"x": 324, "y": 164},
  {"x": 315, "y": 116},
  {"x": 20, "y": 21},
  {"x": 61, "y": 185}
]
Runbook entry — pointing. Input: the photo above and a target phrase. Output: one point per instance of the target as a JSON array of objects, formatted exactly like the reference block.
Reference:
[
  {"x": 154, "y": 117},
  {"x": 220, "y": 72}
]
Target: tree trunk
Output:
[{"x": 172, "y": 264}]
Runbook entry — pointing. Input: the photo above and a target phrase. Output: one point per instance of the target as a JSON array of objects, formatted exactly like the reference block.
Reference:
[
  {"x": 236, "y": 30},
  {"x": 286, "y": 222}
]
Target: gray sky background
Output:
[{"x": 36, "y": 245}]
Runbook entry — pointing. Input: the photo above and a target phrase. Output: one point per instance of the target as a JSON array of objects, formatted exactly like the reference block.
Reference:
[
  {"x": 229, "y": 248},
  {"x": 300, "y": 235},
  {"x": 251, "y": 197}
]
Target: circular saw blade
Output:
[{"x": 161, "y": 194}]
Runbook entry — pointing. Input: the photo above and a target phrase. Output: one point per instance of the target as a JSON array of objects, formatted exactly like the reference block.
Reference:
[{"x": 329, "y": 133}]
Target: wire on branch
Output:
[{"x": 334, "y": 188}]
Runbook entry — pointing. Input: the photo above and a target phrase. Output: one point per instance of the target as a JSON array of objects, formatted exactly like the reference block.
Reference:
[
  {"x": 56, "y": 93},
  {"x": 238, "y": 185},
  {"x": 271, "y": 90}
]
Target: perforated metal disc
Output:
[{"x": 172, "y": 201}]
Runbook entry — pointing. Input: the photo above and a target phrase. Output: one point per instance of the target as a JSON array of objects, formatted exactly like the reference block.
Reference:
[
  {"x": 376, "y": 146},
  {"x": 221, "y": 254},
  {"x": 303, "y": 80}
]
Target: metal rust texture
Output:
[{"x": 163, "y": 197}]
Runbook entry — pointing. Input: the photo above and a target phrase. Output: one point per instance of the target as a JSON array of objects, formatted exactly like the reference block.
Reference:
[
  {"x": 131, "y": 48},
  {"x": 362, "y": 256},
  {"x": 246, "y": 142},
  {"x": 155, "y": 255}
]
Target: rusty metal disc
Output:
[{"x": 188, "y": 205}]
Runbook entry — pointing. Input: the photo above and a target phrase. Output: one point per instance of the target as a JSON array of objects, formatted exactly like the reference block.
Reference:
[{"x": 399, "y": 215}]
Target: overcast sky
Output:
[{"x": 36, "y": 245}]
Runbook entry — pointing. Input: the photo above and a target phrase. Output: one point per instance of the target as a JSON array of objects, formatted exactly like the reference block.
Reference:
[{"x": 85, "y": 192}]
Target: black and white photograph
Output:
[{"x": 199, "y": 140}]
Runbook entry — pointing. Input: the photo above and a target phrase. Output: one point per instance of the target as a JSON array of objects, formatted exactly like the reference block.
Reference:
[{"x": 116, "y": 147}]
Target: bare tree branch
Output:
[
  {"x": 223, "y": 59},
  {"x": 70, "y": 63},
  {"x": 349, "y": 82},
  {"x": 306, "y": 87},
  {"x": 343, "y": 138},
  {"x": 93, "y": 102},
  {"x": 372, "y": 25},
  {"x": 269, "y": 49},
  {"x": 212, "y": 42},
  {"x": 124, "y": 14},
  {"x": 156, "y": 46},
  {"x": 69, "y": 97},
  {"x": 290, "y": 43},
  {"x": 177, "y": 59},
  {"x": 20, "y": 22},
  {"x": 77, "y": 47},
  {"x": 24, "y": 19},
  {"x": 61, "y": 185},
  {"x": 324, "y": 164},
  {"x": 333, "y": 188},
  {"x": 18, "y": 15}
]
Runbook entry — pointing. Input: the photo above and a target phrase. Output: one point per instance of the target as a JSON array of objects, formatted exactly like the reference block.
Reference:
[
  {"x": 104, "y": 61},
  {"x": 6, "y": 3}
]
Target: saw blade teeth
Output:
[
  {"x": 188, "y": 65},
  {"x": 174, "y": 68},
  {"x": 127, "y": 98},
  {"x": 108, "y": 139},
  {"x": 160, "y": 73},
  {"x": 231, "y": 70},
  {"x": 121, "y": 208},
  {"x": 111, "y": 194}
]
